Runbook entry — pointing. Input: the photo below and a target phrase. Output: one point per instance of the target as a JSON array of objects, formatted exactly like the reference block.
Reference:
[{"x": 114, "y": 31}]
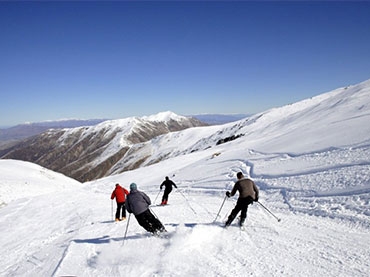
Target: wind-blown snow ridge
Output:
[{"x": 309, "y": 159}]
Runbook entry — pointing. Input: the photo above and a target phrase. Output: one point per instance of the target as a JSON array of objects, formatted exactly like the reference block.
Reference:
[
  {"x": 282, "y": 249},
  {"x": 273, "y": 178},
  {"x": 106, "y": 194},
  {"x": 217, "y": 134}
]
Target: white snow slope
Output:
[{"x": 309, "y": 159}]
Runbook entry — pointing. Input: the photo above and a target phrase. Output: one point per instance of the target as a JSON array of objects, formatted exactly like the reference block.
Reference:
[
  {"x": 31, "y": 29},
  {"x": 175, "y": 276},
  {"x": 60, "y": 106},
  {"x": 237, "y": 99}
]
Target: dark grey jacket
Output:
[{"x": 137, "y": 202}]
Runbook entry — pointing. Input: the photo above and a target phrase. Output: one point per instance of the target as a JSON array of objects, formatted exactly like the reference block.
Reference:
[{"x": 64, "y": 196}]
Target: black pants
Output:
[
  {"x": 149, "y": 222},
  {"x": 241, "y": 205},
  {"x": 165, "y": 194},
  {"x": 121, "y": 206}
]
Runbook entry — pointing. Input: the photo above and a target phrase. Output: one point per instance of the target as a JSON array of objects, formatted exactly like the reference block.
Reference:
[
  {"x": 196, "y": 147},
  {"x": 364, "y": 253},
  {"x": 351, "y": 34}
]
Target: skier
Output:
[
  {"x": 168, "y": 188},
  {"x": 119, "y": 193},
  {"x": 138, "y": 203},
  {"x": 248, "y": 192}
]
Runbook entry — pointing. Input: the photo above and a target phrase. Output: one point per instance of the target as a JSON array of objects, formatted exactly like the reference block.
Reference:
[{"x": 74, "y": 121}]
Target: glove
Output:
[
  {"x": 256, "y": 199},
  {"x": 228, "y": 193}
]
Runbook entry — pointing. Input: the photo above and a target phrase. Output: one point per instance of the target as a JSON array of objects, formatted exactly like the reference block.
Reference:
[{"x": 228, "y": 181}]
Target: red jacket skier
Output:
[{"x": 120, "y": 194}]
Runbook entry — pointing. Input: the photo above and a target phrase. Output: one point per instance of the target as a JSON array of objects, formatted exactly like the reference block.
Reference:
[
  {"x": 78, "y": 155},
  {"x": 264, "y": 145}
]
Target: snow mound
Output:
[{"x": 23, "y": 179}]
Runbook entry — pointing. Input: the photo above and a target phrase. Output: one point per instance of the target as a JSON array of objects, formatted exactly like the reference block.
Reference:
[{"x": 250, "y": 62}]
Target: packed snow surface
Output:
[{"x": 310, "y": 161}]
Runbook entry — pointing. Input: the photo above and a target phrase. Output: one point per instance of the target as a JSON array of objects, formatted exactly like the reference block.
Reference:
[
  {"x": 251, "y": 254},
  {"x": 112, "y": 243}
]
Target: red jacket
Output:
[{"x": 120, "y": 194}]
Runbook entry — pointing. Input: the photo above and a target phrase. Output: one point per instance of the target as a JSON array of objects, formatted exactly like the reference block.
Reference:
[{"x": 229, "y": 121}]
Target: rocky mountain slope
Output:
[
  {"x": 89, "y": 152},
  {"x": 13, "y": 135}
]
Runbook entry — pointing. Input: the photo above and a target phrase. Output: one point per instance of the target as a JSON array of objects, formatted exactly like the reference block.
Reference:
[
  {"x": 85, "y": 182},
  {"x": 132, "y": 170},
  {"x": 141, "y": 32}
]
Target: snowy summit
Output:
[
  {"x": 164, "y": 116},
  {"x": 310, "y": 161}
]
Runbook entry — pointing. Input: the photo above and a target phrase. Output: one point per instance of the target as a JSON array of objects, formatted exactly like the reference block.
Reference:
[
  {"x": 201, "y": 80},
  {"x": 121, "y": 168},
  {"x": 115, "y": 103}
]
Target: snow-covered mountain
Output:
[
  {"x": 89, "y": 152},
  {"x": 338, "y": 117},
  {"x": 309, "y": 159}
]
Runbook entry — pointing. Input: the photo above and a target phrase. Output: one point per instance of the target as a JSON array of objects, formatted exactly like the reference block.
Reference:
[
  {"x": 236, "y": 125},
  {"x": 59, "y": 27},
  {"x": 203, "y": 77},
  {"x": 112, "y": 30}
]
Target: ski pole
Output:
[
  {"x": 157, "y": 196},
  {"x": 128, "y": 221},
  {"x": 153, "y": 213},
  {"x": 220, "y": 209},
  {"x": 278, "y": 219},
  {"x": 187, "y": 201},
  {"x": 112, "y": 209},
  {"x": 159, "y": 222}
]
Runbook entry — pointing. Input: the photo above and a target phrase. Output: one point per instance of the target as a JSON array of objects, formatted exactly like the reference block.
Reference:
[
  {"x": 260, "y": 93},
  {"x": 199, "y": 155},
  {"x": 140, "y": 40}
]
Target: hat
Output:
[
  {"x": 239, "y": 175},
  {"x": 133, "y": 186}
]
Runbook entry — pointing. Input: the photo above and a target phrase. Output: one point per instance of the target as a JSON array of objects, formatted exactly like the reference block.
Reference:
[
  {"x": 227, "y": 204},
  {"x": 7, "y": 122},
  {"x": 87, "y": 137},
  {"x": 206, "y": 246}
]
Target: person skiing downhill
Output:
[
  {"x": 248, "y": 192},
  {"x": 119, "y": 193},
  {"x": 138, "y": 202},
  {"x": 167, "y": 183}
]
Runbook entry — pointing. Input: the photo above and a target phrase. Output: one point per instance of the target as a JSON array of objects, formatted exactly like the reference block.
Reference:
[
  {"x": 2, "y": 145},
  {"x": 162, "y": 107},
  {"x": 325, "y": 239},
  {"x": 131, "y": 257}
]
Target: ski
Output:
[
  {"x": 222, "y": 225},
  {"x": 162, "y": 235}
]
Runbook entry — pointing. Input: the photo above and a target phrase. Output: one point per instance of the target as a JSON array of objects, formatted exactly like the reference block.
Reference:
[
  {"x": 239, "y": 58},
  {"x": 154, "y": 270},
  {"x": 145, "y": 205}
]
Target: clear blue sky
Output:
[{"x": 113, "y": 60}]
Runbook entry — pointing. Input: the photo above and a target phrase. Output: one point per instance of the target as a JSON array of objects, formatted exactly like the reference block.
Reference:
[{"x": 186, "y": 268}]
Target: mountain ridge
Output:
[{"x": 87, "y": 152}]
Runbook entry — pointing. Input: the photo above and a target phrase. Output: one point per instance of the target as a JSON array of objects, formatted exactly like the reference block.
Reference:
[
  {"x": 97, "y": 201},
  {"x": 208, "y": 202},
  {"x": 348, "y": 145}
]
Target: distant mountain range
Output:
[
  {"x": 12, "y": 135},
  {"x": 16, "y": 133},
  {"x": 89, "y": 152}
]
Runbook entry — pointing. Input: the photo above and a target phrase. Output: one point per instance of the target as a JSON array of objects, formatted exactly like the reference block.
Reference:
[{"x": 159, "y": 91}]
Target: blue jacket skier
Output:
[{"x": 137, "y": 202}]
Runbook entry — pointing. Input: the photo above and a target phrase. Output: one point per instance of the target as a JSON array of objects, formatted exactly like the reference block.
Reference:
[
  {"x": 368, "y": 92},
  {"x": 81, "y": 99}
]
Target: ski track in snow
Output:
[
  {"x": 335, "y": 183},
  {"x": 197, "y": 247},
  {"x": 192, "y": 249}
]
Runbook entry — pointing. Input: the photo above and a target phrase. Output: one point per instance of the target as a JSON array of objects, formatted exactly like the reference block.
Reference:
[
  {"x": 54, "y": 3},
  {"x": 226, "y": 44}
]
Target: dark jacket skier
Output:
[
  {"x": 138, "y": 202},
  {"x": 248, "y": 192},
  {"x": 168, "y": 188},
  {"x": 120, "y": 194}
]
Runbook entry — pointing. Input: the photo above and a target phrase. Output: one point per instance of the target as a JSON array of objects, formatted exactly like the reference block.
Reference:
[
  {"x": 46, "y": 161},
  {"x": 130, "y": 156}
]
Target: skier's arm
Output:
[
  {"x": 256, "y": 191},
  {"x": 147, "y": 199},
  {"x": 128, "y": 208},
  {"x": 174, "y": 184},
  {"x": 234, "y": 190},
  {"x": 113, "y": 195}
]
